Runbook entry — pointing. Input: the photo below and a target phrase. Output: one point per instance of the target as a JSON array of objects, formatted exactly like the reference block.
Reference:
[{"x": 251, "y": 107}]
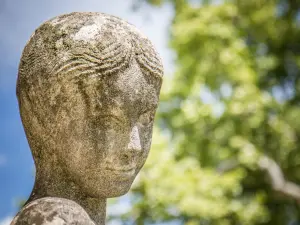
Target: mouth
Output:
[{"x": 121, "y": 169}]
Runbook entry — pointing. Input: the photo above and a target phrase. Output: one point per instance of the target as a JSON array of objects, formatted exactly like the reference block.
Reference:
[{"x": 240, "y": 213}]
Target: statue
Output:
[{"x": 88, "y": 88}]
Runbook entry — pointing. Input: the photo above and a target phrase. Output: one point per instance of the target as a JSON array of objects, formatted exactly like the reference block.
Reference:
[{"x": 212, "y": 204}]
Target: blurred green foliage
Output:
[{"x": 233, "y": 99}]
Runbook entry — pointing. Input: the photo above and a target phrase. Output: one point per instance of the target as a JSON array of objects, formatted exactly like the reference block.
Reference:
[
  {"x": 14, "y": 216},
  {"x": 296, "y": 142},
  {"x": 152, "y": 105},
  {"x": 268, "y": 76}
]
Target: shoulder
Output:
[{"x": 51, "y": 210}]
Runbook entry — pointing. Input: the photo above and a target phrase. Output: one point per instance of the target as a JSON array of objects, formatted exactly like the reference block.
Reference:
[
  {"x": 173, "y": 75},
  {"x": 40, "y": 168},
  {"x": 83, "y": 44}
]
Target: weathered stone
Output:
[
  {"x": 52, "y": 210},
  {"x": 88, "y": 88}
]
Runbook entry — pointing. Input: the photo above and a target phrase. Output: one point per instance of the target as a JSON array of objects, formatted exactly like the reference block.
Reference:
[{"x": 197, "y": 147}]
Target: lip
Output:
[{"x": 125, "y": 169}]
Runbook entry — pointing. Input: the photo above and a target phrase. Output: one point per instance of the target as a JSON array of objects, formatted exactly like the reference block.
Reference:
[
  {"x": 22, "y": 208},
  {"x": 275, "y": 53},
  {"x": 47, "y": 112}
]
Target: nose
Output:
[{"x": 134, "y": 142}]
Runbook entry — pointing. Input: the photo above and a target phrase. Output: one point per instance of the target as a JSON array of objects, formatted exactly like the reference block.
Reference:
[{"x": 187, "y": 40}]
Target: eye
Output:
[
  {"x": 146, "y": 118},
  {"x": 111, "y": 120}
]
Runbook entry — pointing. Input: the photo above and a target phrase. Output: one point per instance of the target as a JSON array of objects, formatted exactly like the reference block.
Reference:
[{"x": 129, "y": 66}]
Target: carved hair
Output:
[{"x": 100, "y": 45}]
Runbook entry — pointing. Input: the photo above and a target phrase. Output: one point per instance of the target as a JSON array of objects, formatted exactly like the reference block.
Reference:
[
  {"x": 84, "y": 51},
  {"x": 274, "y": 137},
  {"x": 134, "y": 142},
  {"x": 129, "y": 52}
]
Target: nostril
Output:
[
  {"x": 129, "y": 156},
  {"x": 126, "y": 157}
]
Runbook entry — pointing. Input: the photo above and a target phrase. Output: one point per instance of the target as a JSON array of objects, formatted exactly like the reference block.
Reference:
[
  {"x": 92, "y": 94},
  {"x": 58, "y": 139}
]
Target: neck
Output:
[{"x": 62, "y": 188}]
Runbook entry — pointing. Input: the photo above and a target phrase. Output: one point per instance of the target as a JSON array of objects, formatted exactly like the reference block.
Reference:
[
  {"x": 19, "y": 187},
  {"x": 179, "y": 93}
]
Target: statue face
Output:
[{"x": 104, "y": 132}]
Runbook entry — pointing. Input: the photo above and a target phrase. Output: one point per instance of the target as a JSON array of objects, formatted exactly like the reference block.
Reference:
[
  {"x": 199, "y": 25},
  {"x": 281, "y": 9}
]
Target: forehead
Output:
[{"x": 132, "y": 89}]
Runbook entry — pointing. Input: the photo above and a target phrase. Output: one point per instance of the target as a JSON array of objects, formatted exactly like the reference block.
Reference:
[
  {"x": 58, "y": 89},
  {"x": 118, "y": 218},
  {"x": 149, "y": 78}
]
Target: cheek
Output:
[
  {"x": 72, "y": 139},
  {"x": 108, "y": 140}
]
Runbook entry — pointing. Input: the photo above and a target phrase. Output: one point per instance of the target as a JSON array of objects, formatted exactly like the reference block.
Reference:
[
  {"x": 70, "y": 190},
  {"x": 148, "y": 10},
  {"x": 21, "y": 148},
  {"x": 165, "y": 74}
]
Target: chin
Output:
[
  {"x": 118, "y": 193},
  {"x": 104, "y": 190},
  {"x": 119, "y": 188}
]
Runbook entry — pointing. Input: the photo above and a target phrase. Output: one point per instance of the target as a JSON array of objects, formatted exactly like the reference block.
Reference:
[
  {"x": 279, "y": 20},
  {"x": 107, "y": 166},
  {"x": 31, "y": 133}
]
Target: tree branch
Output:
[{"x": 279, "y": 183}]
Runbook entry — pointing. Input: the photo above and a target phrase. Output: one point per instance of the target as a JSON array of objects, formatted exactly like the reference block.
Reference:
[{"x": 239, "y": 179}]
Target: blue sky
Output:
[{"x": 18, "y": 20}]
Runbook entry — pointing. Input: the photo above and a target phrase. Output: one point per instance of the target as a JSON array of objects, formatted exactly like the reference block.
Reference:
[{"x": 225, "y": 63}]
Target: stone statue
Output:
[{"x": 88, "y": 88}]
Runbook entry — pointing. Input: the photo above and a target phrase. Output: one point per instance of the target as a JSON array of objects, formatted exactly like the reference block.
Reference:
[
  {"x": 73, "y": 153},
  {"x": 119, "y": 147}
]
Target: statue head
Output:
[{"x": 88, "y": 88}]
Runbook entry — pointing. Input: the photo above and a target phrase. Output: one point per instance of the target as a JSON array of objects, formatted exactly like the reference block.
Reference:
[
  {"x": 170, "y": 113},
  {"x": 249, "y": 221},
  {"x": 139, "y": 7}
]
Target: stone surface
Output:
[
  {"x": 88, "y": 88},
  {"x": 49, "y": 211}
]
